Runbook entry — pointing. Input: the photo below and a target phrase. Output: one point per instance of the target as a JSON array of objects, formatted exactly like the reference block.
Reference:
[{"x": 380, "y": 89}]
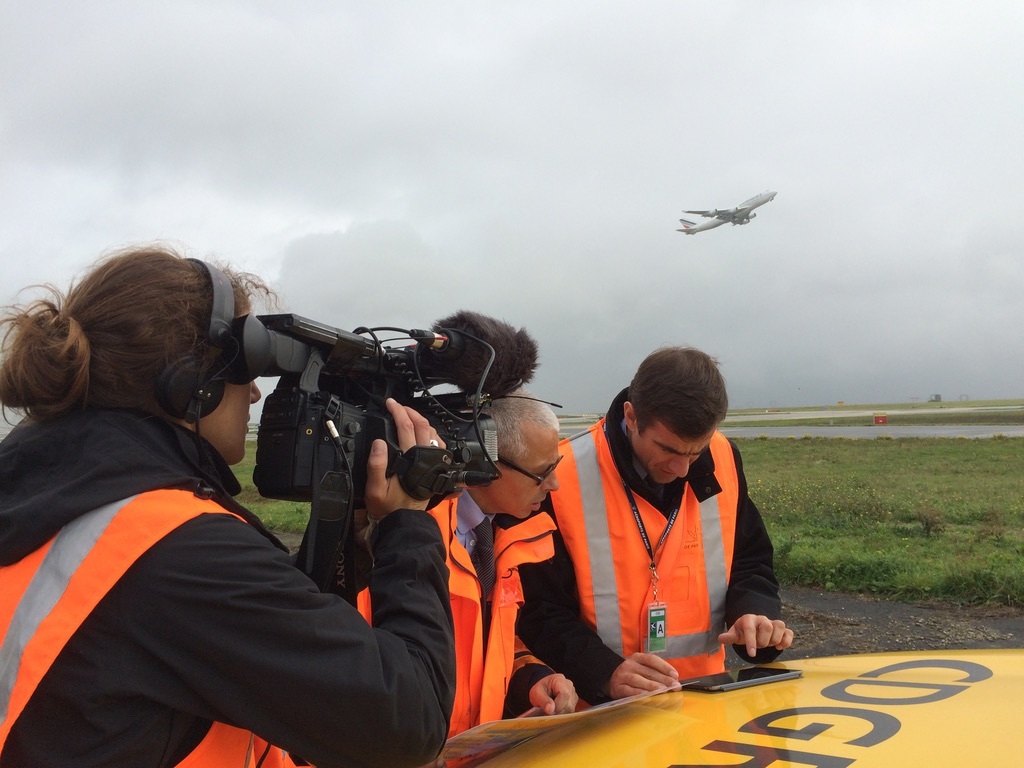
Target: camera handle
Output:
[
  {"x": 327, "y": 545},
  {"x": 424, "y": 471}
]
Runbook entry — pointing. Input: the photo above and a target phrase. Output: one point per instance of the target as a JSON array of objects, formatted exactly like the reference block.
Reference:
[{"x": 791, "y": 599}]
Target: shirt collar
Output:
[{"x": 469, "y": 513}]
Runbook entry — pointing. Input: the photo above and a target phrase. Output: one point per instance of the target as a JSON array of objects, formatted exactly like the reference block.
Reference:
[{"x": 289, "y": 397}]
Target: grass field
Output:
[
  {"x": 903, "y": 518},
  {"x": 908, "y": 518}
]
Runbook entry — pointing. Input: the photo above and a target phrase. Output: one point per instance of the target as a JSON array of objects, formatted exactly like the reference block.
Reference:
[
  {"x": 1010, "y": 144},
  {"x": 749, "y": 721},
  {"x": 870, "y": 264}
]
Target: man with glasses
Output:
[
  {"x": 489, "y": 537},
  {"x": 661, "y": 557}
]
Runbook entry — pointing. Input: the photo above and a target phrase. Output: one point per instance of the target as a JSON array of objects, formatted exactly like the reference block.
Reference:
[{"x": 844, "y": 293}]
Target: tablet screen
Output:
[{"x": 739, "y": 678}]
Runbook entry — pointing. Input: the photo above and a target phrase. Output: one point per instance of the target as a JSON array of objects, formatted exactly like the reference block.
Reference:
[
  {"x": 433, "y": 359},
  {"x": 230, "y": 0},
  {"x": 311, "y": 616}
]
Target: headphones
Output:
[{"x": 191, "y": 386}]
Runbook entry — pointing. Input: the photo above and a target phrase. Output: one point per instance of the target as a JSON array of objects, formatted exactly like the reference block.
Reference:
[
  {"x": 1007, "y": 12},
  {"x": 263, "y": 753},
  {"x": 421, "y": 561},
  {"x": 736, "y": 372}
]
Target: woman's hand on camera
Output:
[{"x": 385, "y": 494}]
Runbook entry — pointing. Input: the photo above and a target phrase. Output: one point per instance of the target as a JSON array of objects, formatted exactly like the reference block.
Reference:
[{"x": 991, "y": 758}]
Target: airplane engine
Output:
[{"x": 751, "y": 216}]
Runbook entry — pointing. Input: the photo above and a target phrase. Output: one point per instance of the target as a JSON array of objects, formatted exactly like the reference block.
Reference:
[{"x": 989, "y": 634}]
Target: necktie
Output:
[{"x": 483, "y": 557}]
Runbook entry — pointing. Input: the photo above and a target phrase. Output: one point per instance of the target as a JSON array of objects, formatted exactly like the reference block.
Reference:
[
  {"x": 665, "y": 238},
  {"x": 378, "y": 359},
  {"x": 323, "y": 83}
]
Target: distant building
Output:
[{"x": 935, "y": 399}]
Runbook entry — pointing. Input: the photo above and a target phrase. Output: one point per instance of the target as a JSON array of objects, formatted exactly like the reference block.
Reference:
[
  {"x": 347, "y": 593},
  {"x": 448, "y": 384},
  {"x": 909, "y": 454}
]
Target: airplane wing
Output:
[{"x": 727, "y": 215}]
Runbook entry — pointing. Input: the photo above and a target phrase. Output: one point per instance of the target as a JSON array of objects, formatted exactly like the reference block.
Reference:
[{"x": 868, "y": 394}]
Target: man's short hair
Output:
[
  {"x": 682, "y": 388},
  {"x": 513, "y": 412}
]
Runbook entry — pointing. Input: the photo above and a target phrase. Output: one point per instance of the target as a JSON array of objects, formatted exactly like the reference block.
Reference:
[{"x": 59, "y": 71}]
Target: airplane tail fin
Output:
[{"x": 687, "y": 224}]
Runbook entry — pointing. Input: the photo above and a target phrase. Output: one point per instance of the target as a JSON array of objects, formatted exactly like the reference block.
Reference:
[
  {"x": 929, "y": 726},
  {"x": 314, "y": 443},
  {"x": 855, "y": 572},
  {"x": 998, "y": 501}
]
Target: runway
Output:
[
  {"x": 573, "y": 424},
  {"x": 857, "y": 433},
  {"x": 571, "y": 427},
  {"x": 881, "y": 430}
]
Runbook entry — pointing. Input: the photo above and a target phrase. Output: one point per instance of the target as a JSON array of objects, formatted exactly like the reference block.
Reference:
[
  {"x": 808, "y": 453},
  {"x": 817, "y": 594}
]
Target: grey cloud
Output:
[{"x": 390, "y": 163}]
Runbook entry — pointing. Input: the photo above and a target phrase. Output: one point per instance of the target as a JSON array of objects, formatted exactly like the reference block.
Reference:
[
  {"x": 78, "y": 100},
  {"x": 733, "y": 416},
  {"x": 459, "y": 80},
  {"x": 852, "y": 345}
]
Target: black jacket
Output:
[
  {"x": 549, "y": 621},
  {"x": 215, "y": 623}
]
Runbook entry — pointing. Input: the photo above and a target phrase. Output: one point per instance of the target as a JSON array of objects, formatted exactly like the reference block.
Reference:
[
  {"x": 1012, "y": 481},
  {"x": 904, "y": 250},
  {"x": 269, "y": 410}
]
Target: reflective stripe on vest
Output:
[
  {"x": 586, "y": 448},
  {"x": 48, "y": 594},
  {"x": 60, "y": 561}
]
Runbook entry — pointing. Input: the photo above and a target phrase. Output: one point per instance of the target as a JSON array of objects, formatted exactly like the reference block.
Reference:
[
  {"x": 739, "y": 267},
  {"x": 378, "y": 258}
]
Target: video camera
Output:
[{"x": 329, "y": 405}]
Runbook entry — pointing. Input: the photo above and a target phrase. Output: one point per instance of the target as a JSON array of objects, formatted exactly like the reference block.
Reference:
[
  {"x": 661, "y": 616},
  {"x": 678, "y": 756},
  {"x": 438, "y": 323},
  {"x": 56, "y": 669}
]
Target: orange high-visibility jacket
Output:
[
  {"x": 47, "y": 595},
  {"x": 482, "y": 678},
  {"x": 612, "y": 565}
]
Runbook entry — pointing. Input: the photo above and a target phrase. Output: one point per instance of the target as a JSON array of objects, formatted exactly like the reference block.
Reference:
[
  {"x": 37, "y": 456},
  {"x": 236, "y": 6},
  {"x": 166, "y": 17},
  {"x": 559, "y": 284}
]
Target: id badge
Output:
[{"x": 657, "y": 638}]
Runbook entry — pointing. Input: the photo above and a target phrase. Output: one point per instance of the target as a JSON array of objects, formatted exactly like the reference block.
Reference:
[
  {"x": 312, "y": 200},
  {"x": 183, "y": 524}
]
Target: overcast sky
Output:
[{"x": 388, "y": 163}]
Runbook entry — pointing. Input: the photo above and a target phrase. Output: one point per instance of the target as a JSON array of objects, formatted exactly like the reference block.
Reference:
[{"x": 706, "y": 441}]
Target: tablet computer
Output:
[{"x": 742, "y": 677}]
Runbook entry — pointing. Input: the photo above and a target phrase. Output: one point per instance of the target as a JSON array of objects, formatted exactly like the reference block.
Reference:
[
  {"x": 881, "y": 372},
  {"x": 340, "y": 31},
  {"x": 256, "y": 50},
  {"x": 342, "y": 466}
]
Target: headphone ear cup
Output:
[
  {"x": 210, "y": 393},
  {"x": 179, "y": 384}
]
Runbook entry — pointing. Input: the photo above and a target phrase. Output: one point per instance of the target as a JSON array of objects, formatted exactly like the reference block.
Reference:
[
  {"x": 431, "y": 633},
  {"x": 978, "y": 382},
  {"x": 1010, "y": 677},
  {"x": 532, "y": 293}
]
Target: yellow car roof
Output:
[{"x": 944, "y": 708}]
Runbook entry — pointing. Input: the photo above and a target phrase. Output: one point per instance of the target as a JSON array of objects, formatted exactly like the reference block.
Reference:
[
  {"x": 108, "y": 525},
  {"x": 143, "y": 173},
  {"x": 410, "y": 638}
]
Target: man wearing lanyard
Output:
[{"x": 661, "y": 557}]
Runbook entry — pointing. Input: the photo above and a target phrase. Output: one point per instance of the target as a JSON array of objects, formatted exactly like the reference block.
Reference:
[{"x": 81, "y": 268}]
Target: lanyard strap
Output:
[{"x": 646, "y": 539}]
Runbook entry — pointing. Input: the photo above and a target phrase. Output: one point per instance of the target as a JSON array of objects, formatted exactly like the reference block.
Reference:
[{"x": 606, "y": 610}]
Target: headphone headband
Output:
[
  {"x": 222, "y": 309},
  {"x": 192, "y": 386}
]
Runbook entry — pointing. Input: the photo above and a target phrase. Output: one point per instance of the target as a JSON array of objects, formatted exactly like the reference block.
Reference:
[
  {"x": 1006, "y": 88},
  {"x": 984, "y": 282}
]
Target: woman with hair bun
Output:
[{"x": 147, "y": 618}]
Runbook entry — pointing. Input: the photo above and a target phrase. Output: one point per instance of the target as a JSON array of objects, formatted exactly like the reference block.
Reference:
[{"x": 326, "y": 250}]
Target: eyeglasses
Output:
[{"x": 538, "y": 479}]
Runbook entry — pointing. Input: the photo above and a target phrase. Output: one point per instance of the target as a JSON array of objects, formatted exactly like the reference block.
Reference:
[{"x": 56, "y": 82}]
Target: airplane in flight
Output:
[{"x": 741, "y": 214}]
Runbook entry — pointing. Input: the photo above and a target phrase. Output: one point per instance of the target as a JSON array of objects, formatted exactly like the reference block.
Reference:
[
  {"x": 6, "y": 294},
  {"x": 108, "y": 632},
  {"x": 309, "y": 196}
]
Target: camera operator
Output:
[{"x": 147, "y": 618}]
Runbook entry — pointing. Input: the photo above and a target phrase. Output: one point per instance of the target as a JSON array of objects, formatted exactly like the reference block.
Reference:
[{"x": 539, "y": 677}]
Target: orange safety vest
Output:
[
  {"x": 47, "y": 595},
  {"x": 612, "y": 565},
  {"x": 482, "y": 678}
]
